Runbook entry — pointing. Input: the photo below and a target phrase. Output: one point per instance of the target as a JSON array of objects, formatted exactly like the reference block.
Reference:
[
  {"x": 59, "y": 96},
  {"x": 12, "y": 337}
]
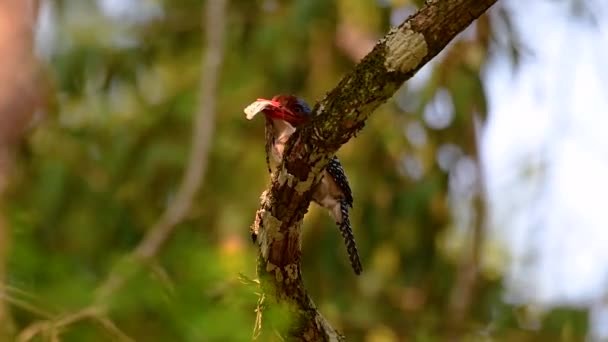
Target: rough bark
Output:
[{"x": 338, "y": 117}]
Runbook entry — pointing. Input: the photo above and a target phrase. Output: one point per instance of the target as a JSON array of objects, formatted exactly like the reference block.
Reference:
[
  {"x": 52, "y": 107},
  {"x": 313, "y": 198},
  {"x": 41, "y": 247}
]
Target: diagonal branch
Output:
[{"x": 338, "y": 117}]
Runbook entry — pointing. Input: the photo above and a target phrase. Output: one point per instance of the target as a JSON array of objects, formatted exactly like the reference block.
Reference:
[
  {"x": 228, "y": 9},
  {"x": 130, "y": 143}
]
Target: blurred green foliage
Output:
[{"x": 96, "y": 174}]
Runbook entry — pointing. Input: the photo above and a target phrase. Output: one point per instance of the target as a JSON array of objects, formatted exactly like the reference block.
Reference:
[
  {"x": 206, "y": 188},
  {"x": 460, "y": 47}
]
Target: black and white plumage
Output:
[
  {"x": 336, "y": 172},
  {"x": 284, "y": 114}
]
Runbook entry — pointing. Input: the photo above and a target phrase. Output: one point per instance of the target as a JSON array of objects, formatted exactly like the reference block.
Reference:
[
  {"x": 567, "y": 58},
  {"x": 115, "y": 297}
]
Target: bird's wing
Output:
[{"x": 335, "y": 170}]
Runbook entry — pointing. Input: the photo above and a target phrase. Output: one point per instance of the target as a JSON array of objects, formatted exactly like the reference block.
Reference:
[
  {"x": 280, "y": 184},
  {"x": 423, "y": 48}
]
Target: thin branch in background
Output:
[
  {"x": 26, "y": 301},
  {"x": 202, "y": 133},
  {"x": 177, "y": 210},
  {"x": 54, "y": 328},
  {"x": 175, "y": 213},
  {"x": 201, "y": 139},
  {"x": 462, "y": 295},
  {"x": 257, "y": 327},
  {"x": 109, "y": 326},
  {"x": 27, "y": 306}
]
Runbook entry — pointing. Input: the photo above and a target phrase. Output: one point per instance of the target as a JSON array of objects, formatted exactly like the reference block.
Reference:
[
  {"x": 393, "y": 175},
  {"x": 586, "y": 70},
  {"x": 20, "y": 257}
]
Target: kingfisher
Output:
[{"x": 284, "y": 115}]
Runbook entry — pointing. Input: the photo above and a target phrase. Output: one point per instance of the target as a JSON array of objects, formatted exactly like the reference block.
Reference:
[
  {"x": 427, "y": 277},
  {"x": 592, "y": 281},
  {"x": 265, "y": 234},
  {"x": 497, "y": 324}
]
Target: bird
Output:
[{"x": 284, "y": 115}]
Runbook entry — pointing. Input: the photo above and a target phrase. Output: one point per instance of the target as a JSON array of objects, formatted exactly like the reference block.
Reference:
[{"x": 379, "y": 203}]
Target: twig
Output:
[
  {"x": 259, "y": 309},
  {"x": 107, "y": 324},
  {"x": 52, "y": 327},
  {"x": 26, "y": 301},
  {"x": 26, "y": 306}
]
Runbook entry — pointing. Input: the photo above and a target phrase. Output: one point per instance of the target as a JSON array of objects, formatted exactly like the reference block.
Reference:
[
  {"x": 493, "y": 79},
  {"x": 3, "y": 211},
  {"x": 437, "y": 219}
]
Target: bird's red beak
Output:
[{"x": 273, "y": 109}]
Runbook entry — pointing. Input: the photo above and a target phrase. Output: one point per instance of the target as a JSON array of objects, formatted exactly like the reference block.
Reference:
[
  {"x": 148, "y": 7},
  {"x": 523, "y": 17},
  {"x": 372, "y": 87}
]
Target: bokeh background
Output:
[{"x": 479, "y": 188}]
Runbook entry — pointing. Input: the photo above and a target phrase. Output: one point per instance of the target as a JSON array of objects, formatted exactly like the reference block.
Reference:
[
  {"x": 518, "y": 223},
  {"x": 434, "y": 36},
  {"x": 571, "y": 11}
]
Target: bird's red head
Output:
[{"x": 283, "y": 107}]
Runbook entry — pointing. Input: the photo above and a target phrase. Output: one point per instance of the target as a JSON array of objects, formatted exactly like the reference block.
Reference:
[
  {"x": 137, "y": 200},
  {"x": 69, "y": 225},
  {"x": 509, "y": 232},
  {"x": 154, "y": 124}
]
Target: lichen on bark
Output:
[{"x": 406, "y": 48}]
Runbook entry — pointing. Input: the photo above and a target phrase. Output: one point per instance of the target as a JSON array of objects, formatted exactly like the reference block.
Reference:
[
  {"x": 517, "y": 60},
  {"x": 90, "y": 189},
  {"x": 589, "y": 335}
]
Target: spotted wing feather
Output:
[{"x": 335, "y": 170}]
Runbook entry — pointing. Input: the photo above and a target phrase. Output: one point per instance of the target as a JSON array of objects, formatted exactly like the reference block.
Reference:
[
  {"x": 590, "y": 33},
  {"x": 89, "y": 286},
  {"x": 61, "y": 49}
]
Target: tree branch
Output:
[{"x": 338, "y": 117}]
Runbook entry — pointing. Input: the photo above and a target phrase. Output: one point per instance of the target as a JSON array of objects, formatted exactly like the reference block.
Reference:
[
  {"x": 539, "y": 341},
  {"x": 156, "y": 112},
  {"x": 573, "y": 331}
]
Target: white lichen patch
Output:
[
  {"x": 321, "y": 108},
  {"x": 289, "y": 179},
  {"x": 302, "y": 187},
  {"x": 271, "y": 223},
  {"x": 286, "y": 177},
  {"x": 270, "y": 232},
  {"x": 278, "y": 275},
  {"x": 405, "y": 49},
  {"x": 272, "y": 226},
  {"x": 292, "y": 271},
  {"x": 264, "y": 196},
  {"x": 264, "y": 243},
  {"x": 270, "y": 267}
]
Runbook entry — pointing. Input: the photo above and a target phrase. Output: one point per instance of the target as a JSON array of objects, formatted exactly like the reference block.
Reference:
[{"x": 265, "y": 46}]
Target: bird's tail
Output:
[{"x": 349, "y": 238}]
